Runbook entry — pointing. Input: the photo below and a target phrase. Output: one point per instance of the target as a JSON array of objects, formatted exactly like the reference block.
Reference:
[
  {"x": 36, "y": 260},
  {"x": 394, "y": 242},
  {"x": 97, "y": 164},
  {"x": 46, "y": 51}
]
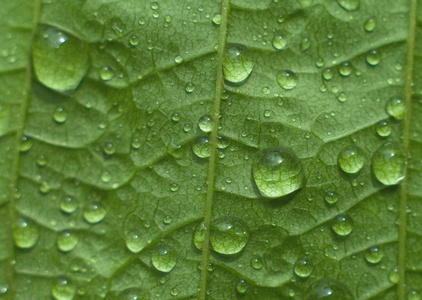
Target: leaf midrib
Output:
[{"x": 213, "y": 155}]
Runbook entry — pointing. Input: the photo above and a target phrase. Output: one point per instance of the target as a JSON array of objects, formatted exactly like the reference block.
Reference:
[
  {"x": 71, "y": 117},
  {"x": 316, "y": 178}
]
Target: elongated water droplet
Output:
[
  {"x": 201, "y": 147},
  {"x": 303, "y": 267},
  {"x": 277, "y": 172},
  {"x": 396, "y": 108},
  {"x": 228, "y": 235},
  {"x": 388, "y": 164},
  {"x": 134, "y": 294},
  {"x": 60, "y": 115},
  {"x": 342, "y": 225},
  {"x": 287, "y": 79},
  {"x": 164, "y": 259},
  {"x": 68, "y": 205},
  {"x": 237, "y": 64},
  {"x": 280, "y": 41},
  {"x": 242, "y": 286},
  {"x": 94, "y": 212},
  {"x": 373, "y": 58},
  {"x": 133, "y": 240},
  {"x": 370, "y": 25},
  {"x": 199, "y": 236},
  {"x": 394, "y": 275},
  {"x": 67, "y": 241},
  {"x": 328, "y": 289},
  {"x": 63, "y": 289},
  {"x": 351, "y": 159},
  {"x": 25, "y": 233},
  {"x": 373, "y": 255},
  {"x": 383, "y": 128},
  {"x": 60, "y": 59},
  {"x": 349, "y": 5},
  {"x": 345, "y": 69}
]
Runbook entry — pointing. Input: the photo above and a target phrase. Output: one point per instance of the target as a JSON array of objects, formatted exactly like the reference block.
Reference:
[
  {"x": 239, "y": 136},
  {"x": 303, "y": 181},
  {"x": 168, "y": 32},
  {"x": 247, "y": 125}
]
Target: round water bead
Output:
[
  {"x": 277, "y": 172},
  {"x": 133, "y": 240},
  {"x": 342, "y": 224},
  {"x": 373, "y": 255},
  {"x": 256, "y": 263},
  {"x": 67, "y": 241},
  {"x": 373, "y": 58},
  {"x": 228, "y": 235},
  {"x": 237, "y": 63},
  {"x": 328, "y": 289},
  {"x": 280, "y": 41},
  {"x": 25, "y": 233},
  {"x": 383, "y": 128},
  {"x": 331, "y": 197},
  {"x": 396, "y": 108},
  {"x": 287, "y": 79},
  {"x": 68, "y": 205},
  {"x": 105, "y": 73},
  {"x": 63, "y": 289},
  {"x": 345, "y": 69},
  {"x": 190, "y": 87},
  {"x": 327, "y": 74},
  {"x": 370, "y": 25},
  {"x": 205, "y": 123},
  {"x": 303, "y": 267},
  {"x": 134, "y": 294},
  {"x": 349, "y": 5},
  {"x": 388, "y": 164},
  {"x": 94, "y": 212},
  {"x": 60, "y": 115},
  {"x": 351, "y": 159},
  {"x": 164, "y": 259},
  {"x": 199, "y": 236},
  {"x": 201, "y": 147},
  {"x": 241, "y": 286}
]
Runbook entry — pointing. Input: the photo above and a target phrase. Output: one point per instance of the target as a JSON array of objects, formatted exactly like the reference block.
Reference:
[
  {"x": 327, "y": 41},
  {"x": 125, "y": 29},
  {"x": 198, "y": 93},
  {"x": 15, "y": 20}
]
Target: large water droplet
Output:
[
  {"x": 303, "y": 267},
  {"x": 277, "y": 172},
  {"x": 396, "y": 108},
  {"x": 67, "y": 241},
  {"x": 205, "y": 123},
  {"x": 25, "y": 234},
  {"x": 328, "y": 289},
  {"x": 383, "y": 128},
  {"x": 373, "y": 255},
  {"x": 60, "y": 59},
  {"x": 351, "y": 159},
  {"x": 201, "y": 147},
  {"x": 164, "y": 259},
  {"x": 199, "y": 236},
  {"x": 237, "y": 64},
  {"x": 349, "y": 5},
  {"x": 63, "y": 289},
  {"x": 342, "y": 224},
  {"x": 228, "y": 235},
  {"x": 287, "y": 79},
  {"x": 94, "y": 212},
  {"x": 216, "y": 19},
  {"x": 388, "y": 164}
]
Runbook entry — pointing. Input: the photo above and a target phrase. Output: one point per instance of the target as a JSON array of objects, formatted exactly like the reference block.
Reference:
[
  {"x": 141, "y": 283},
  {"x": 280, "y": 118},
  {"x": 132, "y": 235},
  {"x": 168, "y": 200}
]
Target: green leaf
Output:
[{"x": 210, "y": 149}]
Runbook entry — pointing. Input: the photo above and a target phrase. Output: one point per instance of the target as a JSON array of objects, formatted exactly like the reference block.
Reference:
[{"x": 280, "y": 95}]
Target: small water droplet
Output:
[
  {"x": 342, "y": 97},
  {"x": 328, "y": 288},
  {"x": 222, "y": 142},
  {"x": 373, "y": 58},
  {"x": 396, "y": 108},
  {"x": 109, "y": 149},
  {"x": 345, "y": 69},
  {"x": 25, "y": 233},
  {"x": 133, "y": 41},
  {"x": 256, "y": 263},
  {"x": 190, "y": 87},
  {"x": 67, "y": 241},
  {"x": 205, "y": 123},
  {"x": 201, "y": 147},
  {"x": 327, "y": 74},
  {"x": 303, "y": 267},
  {"x": 388, "y": 164},
  {"x": 41, "y": 160},
  {"x": 164, "y": 259},
  {"x": 228, "y": 235},
  {"x": 342, "y": 224},
  {"x": 351, "y": 159},
  {"x": 45, "y": 187},
  {"x": 287, "y": 79},
  {"x": 242, "y": 286},
  {"x": 187, "y": 127},
  {"x": 414, "y": 295},
  {"x": 331, "y": 197},
  {"x": 349, "y": 5},
  {"x": 105, "y": 73},
  {"x": 279, "y": 41},
  {"x": 134, "y": 294},
  {"x": 373, "y": 255},
  {"x": 305, "y": 44},
  {"x": 178, "y": 59},
  {"x": 60, "y": 115},
  {"x": 68, "y": 205},
  {"x": 370, "y": 25},
  {"x": 394, "y": 275},
  {"x": 237, "y": 63},
  {"x": 174, "y": 187},
  {"x": 216, "y": 19},
  {"x": 94, "y": 212},
  {"x": 383, "y": 128},
  {"x": 63, "y": 289},
  {"x": 26, "y": 144},
  {"x": 199, "y": 236},
  {"x": 133, "y": 240}
]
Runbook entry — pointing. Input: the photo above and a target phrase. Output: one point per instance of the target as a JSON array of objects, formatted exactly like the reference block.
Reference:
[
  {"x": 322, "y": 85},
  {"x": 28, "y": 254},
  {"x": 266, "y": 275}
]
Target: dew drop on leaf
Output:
[
  {"x": 178, "y": 59},
  {"x": 383, "y": 128},
  {"x": 68, "y": 205},
  {"x": 345, "y": 69},
  {"x": 216, "y": 19},
  {"x": 133, "y": 240},
  {"x": 241, "y": 286},
  {"x": 44, "y": 187},
  {"x": 327, "y": 74},
  {"x": 331, "y": 197},
  {"x": 201, "y": 147},
  {"x": 414, "y": 295},
  {"x": 25, "y": 233},
  {"x": 237, "y": 63},
  {"x": 388, "y": 164},
  {"x": 342, "y": 97},
  {"x": 189, "y": 87},
  {"x": 63, "y": 289},
  {"x": 373, "y": 58},
  {"x": 320, "y": 62},
  {"x": 228, "y": 235},
  {"x": 60, "y": 59},
  {"x": 370, "y": 25},
  {"x": 279, "y": 41},
  {"x": 109, "y": 149},
  {"x": 164, "y": 259},
  {"x": 60, "y": 115},
  {"x": 328, "y": 289},
  {"x": 277, "y": 172},
  {"x": 199, "y": 236},
  {"x": 205, "y": 123},
  {"x": 351, "y": 159},
  {"x": 396, "y": 108},
  {"x": 303, "y": 267},
  {"x": 67, "y": 241},
  {"x": 134, "y": 294},
  {"x": 256, "y": 263},
  {"x": 342, "y": 224},
  {"x": 175, "y": 117},
  {"x": 41, "y": 160},
  {"x": 26, "y": 144},
  {"x": 94, "y": 212},
  {"x": 133, "y": 41},
  {"x": 105, "y": 73},
  {"x": 305, "y": 44},
  {"x": 222, "y": 142},
  {"x": 373, "y": 255},
  {"x": 287, "y": 79},
  {"x": 349, "y": 5},
  {"x": 394, "y": 275}
]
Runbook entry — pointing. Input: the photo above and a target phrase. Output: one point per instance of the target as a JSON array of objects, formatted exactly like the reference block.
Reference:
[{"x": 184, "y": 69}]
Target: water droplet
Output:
[
  {"x": 167, "y": 220},
  {"x": 383, "y": 128},
  {"x": 133, "y": 41},
  {"x": 187, "y": 127},
  {"x": 178, "y": 59},
  {"x": 216, "y": 19},
  {"x": 328, "y": 288},
  {"x": 60, "y": 115},
  {"x": 349, "y": 5},
  {"x": 134, "y": 294},
  {"x": 41, "y": 160},
  {"x": 136, "y": 141},
  {"x": 414, "y": 295},
  {"x": 63, "y": 289},
  {"x": 68, "y": 205},
  {"x": 94, "y": 212},
  {"x": 241, "y": 286},
  {"x": 277, "y": 172},
  {"x": 60, "y": 60},
  {"x": 205, "y": 123},
  {"x": 267, "y": 113},
  {"x": 164, "y": 259},
  {"x": 345, "y": 69},
  {"x": 141, "y": 21},
  {"x": 287, "y": 79},
  {"x": 370, "y": 25},
  {"x": 305, "y": 44},
  {"x": 373, "y": 58},
  {"x": 109, "y": 149},
  {"x": 320, "y": 62},
  {"x": 388, "y": 164},
  {"x": 174, "y": 187},
  {"x": 44, "y": 187},
  {"x": 394, "y": 275},
  {"x": 228, "y": 235},
  {"x": 190, "y": 87},
  {"x": 303, "y": 267},
  {"x": 67, "y": 241},
  {"x": 106, "y": 177},
  {"x": 342, "y": 97},
  {"x": 351, "y": 159},
  {"x": 396, "y": 108},
  {"x": 25, "y": 234},
  {"x": 26, "y": 144},
  {"x": 373, "y": 255},
  {"x": 199, "y": 236},
  {"x": 105, "y": 73},
  {"x": 342, "y": 224},
  {"x": 327, "y": 74},
  {"x": 237, "y": 64},
  {"x": 331, "y": 197},
  {"x": 201, "y": 147},
  {"x": 133, "y": 240},
  {"x": 222, "y": 142},
  {"x": 256, "y": 263},
  {"x": 279, "y": 41},
  {"x": 175, "y": 117}
]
